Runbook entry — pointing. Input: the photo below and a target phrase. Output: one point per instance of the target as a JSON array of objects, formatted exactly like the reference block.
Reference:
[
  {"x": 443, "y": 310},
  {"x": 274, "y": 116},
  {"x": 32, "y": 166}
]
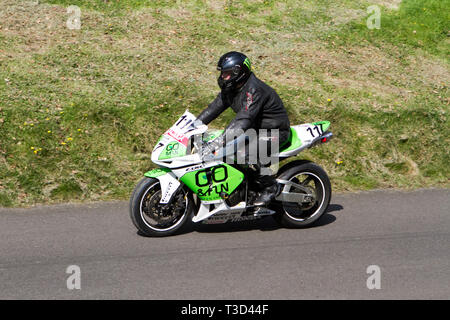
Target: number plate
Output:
[{"x": 308, "y": 132}]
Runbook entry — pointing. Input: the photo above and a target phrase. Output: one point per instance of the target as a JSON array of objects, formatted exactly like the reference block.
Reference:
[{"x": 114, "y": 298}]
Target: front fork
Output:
[{"x": 170, "y": 185}]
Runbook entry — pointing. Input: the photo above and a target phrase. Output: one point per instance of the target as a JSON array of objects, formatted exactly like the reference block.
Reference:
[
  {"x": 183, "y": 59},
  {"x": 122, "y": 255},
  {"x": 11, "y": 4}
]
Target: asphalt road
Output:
[{"x": 405, "y": 234}]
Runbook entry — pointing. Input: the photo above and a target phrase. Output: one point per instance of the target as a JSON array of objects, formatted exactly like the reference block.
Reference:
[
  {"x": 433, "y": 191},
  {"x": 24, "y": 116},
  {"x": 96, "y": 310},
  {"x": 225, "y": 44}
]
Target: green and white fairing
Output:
[
  {"x": 304, "y": 136},
  {"x": 211, "y": 181}
]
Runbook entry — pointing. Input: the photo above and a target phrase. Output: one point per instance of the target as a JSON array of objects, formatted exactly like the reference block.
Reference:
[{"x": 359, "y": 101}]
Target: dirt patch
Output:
[
  {"x": 217, "y": 5},
  {"x": 391, "y": 4},
  {"x": 370, "y": 69},
  {"x": 343, "y": 16},
  {"x": 39, "y": 27},
  {"x": 179, "y": 13},
  {"x": 430, "y": 70}
]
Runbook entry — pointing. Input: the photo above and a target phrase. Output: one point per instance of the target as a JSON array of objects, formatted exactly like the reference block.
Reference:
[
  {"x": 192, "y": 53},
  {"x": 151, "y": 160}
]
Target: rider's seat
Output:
[{"x": 292, "y": 143}]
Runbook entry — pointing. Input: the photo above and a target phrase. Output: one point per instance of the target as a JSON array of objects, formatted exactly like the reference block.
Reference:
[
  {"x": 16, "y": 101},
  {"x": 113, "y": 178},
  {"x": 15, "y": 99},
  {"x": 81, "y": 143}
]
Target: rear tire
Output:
[
  {"x": 146, "y": 212},
  {"x": 300, "y": 215}
]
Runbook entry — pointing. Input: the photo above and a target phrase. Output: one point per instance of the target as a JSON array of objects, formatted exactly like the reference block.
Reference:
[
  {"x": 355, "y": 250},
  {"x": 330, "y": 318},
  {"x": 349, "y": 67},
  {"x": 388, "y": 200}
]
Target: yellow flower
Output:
[
  {"x": 32, "y": 148},
  {"x": 35, "y": 151},
  {"x": 49, "y": 131},
  {"x": 63, "y": 143},
  {"x": 25, "y": 123},
  {"x": 338, "y": 162},
  {"x": 69, "y": 139},
  {"x": 47, "y": 119},
  {"x": 31, "y": 124},
  {"x": 79, "y": 130},
  {"x": 329, "y": 100},
  {"x": 61, "y": 112}
]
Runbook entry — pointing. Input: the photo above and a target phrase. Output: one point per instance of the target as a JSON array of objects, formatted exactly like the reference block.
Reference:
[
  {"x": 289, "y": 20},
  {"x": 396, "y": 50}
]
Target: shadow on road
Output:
[
  {"x": 334, "y": 207},
  {"x": 265, "y": 224}
]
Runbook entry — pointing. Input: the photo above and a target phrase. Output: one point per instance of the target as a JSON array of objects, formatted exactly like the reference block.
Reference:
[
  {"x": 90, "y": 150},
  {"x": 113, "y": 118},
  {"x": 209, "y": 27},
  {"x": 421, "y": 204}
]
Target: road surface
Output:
[{"x": 405, "y": 235}]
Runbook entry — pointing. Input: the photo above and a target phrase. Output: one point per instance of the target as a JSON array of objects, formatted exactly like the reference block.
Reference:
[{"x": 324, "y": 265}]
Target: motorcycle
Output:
[{"x": 186, "y": 187}]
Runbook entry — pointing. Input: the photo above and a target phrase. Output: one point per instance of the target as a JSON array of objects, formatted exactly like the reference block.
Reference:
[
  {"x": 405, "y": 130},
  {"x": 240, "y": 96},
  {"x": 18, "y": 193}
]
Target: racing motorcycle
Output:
[{"x": 187, "y": 188}]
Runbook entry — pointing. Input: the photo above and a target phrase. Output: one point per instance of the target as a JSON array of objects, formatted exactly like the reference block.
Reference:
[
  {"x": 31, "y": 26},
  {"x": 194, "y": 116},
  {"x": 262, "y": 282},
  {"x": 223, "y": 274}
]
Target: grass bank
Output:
[{"x": 80, "y": 110}]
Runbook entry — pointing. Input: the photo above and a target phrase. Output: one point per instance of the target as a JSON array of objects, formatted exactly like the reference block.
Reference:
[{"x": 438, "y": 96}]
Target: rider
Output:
[{"x": 257, "y": 106}]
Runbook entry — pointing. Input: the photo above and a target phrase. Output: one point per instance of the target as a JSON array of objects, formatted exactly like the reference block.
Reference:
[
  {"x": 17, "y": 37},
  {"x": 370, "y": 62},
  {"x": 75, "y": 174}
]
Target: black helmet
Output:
[{"x": 235, "y": 69}]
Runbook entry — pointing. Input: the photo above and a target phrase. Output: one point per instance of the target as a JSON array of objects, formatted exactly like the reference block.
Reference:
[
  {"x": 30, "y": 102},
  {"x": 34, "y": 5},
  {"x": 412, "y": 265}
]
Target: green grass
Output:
[
  {"x": 417, "y": 24},
  {"x": 80, "y": 110}
]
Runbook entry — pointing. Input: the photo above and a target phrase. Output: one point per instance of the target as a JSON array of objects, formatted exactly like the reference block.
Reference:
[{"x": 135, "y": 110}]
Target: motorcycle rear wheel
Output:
[{"x": 300, "y": 215}]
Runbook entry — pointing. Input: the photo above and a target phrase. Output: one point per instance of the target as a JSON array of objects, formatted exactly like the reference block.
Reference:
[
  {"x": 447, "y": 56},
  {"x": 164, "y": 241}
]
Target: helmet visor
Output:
[{"x": 227, "y": 74}]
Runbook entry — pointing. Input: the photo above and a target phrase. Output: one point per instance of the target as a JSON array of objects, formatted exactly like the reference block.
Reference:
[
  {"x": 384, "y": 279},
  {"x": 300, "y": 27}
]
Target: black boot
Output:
[{"x": 270, "y": 191}]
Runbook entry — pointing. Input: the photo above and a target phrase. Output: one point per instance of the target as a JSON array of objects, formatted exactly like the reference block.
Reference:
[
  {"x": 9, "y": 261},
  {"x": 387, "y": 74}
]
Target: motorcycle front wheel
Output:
[{"x": 154, "y": 219}]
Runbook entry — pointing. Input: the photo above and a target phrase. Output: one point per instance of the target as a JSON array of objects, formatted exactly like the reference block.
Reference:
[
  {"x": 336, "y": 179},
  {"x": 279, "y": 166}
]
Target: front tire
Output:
[
  {"x": 156, "y": 220},
  {"x": 300, "y": 215}
]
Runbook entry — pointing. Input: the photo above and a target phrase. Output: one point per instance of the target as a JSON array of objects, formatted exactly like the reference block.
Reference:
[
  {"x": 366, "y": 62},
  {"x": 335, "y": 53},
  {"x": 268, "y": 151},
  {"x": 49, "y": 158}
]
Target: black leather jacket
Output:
[{"x": 256, "y": 105}]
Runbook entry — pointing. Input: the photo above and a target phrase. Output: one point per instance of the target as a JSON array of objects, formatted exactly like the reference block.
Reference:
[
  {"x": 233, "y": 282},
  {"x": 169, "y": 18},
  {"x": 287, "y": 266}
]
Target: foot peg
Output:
[
  {"x": 257, "y": 211},
  {"x": 267, "y": 195}
]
